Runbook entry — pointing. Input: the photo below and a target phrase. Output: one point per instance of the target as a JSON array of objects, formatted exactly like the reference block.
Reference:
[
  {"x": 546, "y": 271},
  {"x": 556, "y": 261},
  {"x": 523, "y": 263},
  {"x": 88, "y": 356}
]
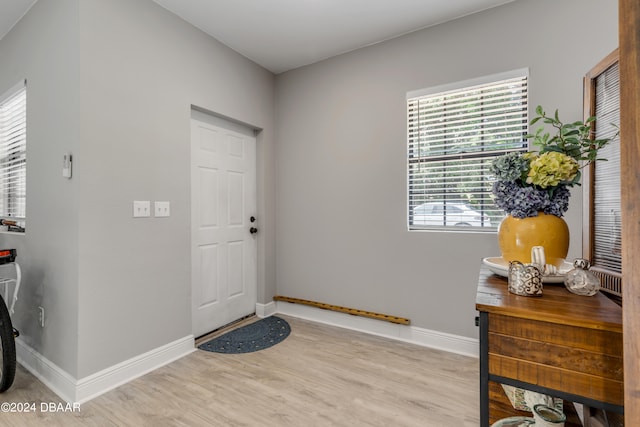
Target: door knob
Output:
[{"x": 253, "y": 230}]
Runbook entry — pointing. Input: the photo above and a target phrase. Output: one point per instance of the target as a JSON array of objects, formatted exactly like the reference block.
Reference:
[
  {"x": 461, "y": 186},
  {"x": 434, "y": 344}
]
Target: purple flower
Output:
[
  {"x": 559, "y": 202},
  {"x": 523, "y": 202}
]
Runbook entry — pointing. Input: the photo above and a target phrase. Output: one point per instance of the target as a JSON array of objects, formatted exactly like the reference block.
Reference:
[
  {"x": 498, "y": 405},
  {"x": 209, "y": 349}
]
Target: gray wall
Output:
[
  {"x": 43, "y": 49},
  {"x": 341, "y": 157},
  {"x": 113, "y": 82},
  {"x": 142, "y": 69}
]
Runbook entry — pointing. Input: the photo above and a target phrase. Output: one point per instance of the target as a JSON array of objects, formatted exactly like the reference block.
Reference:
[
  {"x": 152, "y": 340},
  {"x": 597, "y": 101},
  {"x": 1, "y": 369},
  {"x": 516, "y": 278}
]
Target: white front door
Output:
[{"x": 223, "y": 222}]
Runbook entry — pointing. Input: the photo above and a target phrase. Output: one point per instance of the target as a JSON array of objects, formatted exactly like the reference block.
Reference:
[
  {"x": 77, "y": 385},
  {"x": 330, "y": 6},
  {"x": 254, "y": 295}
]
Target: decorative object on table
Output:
[
  {"x": 516, "y": 236},
  {"x": 255, "y": 336},
  {"x": 515, "y": 422},
  {"x": 533, "y": 188},
  {"x": 546, "y": 416},
  {"x": 525, "y": 280},
  {"x": 499, "y": 266},
  {"x": 539, "y": 258},
  {"x": 580, "y": 280}
]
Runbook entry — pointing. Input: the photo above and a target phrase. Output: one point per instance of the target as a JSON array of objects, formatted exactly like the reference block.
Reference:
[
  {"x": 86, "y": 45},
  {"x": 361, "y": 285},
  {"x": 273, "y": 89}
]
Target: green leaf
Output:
[
  {"x": 551, "y": 148},
  {"x": 570, "y": 132}
]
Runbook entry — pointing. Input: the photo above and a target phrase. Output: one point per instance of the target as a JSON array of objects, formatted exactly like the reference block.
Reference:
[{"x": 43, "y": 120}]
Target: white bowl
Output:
[{"x": 500, "y": 267}]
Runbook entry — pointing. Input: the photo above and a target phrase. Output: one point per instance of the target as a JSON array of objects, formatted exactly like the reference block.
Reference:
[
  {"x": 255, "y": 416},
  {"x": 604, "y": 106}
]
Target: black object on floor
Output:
[{"x": 259, "y": 335}]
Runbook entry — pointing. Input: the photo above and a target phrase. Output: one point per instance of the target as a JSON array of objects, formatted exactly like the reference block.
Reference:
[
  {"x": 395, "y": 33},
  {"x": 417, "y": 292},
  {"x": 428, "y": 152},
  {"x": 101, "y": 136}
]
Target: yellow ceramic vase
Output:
[{"x": 516, "y": 237}]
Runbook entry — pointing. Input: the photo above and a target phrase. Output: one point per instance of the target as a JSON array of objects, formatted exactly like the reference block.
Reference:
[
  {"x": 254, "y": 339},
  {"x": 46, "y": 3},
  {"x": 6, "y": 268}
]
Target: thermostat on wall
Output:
[{"x": 66, "y": 165}]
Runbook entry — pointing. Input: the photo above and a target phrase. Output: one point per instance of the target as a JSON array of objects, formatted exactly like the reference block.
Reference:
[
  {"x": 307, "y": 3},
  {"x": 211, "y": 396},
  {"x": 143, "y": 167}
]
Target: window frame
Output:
[
  {"x": 610, "y": 278},
  {"x": 13, "y": 165},
  {"x": 466, "y": 88}
]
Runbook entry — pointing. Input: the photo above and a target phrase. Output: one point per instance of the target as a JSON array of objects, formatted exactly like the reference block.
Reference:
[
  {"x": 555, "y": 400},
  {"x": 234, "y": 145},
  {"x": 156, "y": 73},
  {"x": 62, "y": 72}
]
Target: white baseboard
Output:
[
  {"x": 50, "y": 374},
  {"x": 85, "y": 389},
  {"x": 412, "y": 334},
  {"x": 266, "y": 310},
  {"x": 94, "y": 385}
]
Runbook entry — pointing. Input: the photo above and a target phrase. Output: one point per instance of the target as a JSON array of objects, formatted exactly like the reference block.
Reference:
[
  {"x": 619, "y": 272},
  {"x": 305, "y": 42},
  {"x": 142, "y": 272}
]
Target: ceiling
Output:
[
  {"x": 10, "y": 12},
  {"x": 284, "y": 34}
]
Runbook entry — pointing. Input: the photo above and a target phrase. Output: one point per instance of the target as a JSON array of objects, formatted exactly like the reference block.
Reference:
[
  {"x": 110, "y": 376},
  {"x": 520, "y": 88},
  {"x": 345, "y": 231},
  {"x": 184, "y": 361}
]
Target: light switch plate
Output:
[
  {"x": 141, "y": 208},
  {"x": 162, "y": 209},
  {"x": 66, "y": 165}
]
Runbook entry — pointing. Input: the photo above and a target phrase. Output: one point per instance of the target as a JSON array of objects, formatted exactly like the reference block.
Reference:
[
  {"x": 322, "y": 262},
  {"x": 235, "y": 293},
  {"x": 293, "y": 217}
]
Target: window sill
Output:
[{"x": 13, "y": 233}]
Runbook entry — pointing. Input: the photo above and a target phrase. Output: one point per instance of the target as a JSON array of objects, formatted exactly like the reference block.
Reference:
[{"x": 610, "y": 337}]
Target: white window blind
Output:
[
  {"x": 607, "y": 224},
  {"x": 453, "y": 136},
  {"x": 13, "y": 145}
]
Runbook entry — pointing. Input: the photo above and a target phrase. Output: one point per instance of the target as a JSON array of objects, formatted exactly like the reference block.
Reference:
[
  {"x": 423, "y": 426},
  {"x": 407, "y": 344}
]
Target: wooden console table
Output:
[{"x": 564, "y": 345}]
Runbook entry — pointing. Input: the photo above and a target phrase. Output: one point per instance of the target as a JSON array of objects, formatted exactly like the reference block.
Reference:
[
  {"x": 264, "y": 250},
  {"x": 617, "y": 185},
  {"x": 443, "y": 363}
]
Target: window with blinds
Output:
[
  {"x": 454, "y": 133},
  {"x": 13, "y": 159},
  {"x": 601, "y": 192}
]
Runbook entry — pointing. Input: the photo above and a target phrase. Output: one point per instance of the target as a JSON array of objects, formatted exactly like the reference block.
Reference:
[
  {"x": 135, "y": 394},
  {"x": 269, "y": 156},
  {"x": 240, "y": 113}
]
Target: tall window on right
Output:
[{"x": 601, "y": 184}]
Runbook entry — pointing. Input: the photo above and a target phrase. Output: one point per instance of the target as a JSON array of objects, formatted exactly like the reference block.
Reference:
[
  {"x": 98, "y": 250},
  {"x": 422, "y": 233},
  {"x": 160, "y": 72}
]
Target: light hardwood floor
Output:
[{"x": 319, "y": 376}]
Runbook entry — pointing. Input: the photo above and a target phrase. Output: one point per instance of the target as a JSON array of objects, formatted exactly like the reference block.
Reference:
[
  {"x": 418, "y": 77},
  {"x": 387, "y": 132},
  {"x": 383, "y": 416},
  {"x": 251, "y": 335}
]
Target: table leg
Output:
[{"x": 484, "y": 369}]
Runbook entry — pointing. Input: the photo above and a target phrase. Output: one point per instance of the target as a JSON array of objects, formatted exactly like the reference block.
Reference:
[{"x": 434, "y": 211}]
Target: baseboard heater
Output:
[{"x": 352, "y": 311}]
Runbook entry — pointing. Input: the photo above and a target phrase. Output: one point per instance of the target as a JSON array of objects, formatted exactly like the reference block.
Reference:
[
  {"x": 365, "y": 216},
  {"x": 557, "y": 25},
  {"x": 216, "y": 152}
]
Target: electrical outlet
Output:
[{"x": 41, "y": 316}]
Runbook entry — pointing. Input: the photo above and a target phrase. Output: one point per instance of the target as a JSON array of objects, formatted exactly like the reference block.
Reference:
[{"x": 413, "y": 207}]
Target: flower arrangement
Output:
[{"x": 527, "y": 183}]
